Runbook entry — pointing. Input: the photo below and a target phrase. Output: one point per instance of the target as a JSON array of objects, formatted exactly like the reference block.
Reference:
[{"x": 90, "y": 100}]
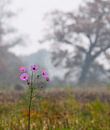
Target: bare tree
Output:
[
  {"x": 87, "y": 32},
  {"x": 9, "y": 63},
  {"x": 6, "y": 29}
]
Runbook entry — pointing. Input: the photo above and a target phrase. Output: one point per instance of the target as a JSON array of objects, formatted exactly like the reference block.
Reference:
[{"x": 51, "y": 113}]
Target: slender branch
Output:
[
  {"x": 100, "y": 51},
  {"x": 67, "y": 42}
]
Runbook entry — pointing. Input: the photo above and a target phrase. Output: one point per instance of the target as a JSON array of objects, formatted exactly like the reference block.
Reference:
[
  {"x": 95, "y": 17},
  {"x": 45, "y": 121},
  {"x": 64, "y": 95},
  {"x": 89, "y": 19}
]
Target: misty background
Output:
[{"x": 70, "y": 39}]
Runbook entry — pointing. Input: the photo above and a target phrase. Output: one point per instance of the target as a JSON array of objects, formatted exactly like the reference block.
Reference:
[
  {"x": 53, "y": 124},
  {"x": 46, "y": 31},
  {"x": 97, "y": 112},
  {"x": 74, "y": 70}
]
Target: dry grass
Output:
[
  {"x": 80, "y": 94},
  {"x": 58, "y": 109}
]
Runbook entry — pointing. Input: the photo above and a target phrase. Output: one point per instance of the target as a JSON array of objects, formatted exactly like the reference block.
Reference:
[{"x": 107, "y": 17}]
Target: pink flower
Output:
[
  {"x": 45, "y": 74},
  {"x": 24, "y": 76},
  {"x": 34, "y": 68},
  {"x": 47, "y": 79},
  {"x": 22, "y": 69}
]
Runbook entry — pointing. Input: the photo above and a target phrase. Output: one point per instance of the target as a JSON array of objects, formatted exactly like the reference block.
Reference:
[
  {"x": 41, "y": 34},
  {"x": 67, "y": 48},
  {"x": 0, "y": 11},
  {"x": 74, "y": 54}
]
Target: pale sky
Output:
[{"x": 29, "y": 20}]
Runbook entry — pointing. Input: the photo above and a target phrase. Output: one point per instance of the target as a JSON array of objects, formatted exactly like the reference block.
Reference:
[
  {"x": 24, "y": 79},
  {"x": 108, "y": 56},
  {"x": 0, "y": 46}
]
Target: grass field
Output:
[{"x": 57, "y": 109}]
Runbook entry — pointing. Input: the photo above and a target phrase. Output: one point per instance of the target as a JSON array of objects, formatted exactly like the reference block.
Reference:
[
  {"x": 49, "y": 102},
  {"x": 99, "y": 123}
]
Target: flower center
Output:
[{"x": 24, "y": 77}]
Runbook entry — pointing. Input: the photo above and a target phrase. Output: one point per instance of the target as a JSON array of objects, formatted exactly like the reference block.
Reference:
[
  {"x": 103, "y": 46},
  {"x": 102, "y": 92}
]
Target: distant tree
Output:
[
  {"x": 87, "y": 33},
  {"x": 6, "y": 30},
  {"x": 8, "y": 38}
]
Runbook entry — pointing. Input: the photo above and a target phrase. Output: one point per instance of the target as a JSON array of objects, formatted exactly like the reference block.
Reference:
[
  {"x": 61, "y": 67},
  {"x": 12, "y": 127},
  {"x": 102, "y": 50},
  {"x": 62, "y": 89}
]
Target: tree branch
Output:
[
  {"x": 68, "y": 42},
  {"x": 100, "y": 51}
]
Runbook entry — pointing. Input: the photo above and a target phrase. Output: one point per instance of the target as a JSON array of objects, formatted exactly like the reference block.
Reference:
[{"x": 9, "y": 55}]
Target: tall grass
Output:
[{"x": 58, "y": 109}]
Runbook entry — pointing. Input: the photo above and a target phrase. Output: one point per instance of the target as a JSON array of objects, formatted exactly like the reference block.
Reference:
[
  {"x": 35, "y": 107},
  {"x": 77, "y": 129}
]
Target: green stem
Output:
[
  {"x": 29, "y": 110},
  {"x": 30, "y": 103}
]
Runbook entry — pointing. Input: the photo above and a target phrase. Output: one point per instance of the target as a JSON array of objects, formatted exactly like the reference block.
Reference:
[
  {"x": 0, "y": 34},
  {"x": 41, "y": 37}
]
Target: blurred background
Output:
[{"x": 71, "y": 39}]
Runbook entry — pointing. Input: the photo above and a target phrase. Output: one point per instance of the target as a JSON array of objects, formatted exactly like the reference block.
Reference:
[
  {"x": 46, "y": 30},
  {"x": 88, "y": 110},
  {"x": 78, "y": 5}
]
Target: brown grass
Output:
[{"x": 80, "y": 94}]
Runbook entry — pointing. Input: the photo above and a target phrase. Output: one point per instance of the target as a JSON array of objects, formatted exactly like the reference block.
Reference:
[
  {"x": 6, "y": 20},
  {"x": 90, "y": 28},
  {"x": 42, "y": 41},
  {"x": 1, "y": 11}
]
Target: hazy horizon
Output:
[{"x": 29, "y": 21}]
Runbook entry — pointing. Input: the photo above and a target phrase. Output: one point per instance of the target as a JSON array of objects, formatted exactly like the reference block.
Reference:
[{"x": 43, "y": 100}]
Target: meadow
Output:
[{"x": 57, "y": 109}]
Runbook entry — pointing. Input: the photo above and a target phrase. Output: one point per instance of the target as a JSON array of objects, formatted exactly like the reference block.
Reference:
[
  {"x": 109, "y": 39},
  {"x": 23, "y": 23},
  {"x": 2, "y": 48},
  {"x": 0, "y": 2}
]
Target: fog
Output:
[
  {"x": 29, "y": 20},
  {"x": 68, "y": 38}
]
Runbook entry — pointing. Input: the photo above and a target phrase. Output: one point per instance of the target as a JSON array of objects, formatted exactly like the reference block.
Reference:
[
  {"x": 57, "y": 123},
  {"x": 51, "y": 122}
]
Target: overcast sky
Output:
[{"x": 29, "y": 20}]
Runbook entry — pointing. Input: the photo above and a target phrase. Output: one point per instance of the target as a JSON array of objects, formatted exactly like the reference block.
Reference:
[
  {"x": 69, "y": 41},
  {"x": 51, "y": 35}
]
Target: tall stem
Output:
[
  {"x": 30, "y": 103},
  {"x": 29, "y": 110}
]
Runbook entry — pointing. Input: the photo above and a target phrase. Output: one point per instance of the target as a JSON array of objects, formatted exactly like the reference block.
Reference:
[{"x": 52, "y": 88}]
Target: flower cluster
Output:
[{"x": 25, "y": 76}]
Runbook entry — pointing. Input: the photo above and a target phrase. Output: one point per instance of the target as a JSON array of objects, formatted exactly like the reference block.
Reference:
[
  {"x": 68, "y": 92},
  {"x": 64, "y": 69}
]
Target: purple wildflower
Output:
[
  {"x": 34, "y": 68},
  {"x": 47, "y": 79},
  {"x": 22, "y": 69},
  {"x": 24, "y": 77},
  {"x": 45, "y": 74}
]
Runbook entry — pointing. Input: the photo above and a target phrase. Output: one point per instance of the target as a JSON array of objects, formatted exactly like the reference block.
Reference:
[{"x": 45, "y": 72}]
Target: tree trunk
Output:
[{"x": 85, "y": 69}]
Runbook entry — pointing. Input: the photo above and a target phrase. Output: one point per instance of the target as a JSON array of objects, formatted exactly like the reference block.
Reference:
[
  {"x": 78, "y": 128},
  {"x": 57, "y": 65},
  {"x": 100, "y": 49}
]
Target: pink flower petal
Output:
[
  {"x": 22, "y": 69},
  {"x": 34, "y": 68},
  {"x": 24, "y": 76}
]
